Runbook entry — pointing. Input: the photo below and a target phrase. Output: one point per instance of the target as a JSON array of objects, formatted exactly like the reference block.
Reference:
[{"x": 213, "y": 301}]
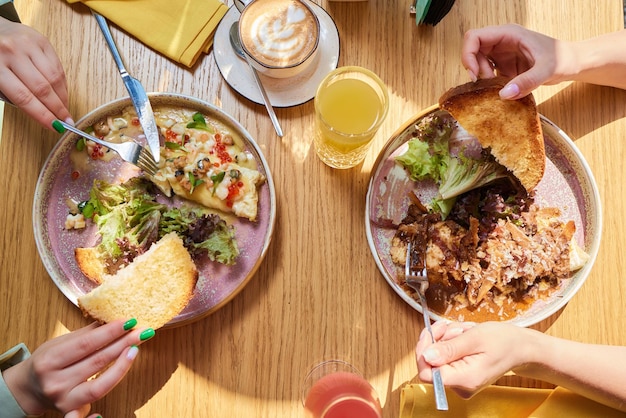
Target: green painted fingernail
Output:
[
  {"x": 146, "y": 334},
  {"x": 130, "y": 324},
  {"x": 58, "y": 126}
]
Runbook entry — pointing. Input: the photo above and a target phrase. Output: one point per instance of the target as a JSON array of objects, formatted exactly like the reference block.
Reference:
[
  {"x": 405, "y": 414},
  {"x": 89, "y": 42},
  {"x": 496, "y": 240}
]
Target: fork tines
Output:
[
  {"x": 146, "y": 162},
  {"x": 410, "y": 265}
]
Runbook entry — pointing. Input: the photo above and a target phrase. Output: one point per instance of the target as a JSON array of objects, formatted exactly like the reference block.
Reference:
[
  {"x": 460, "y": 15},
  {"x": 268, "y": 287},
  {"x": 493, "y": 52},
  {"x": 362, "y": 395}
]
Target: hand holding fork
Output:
[{"x": 418, "y": 281}]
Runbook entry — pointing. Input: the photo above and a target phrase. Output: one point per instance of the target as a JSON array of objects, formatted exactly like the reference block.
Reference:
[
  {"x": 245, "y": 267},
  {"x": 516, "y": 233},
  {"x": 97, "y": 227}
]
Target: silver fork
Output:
[
  {"x": 418, "y": 281},
  {"x": 129, "y": 151}
]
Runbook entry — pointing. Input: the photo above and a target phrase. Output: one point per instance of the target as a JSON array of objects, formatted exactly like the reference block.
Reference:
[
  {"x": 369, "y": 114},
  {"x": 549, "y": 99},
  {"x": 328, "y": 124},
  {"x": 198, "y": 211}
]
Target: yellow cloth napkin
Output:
[
  {"x": 179, "y": 29},
  {"x": 418, "y": 401}
]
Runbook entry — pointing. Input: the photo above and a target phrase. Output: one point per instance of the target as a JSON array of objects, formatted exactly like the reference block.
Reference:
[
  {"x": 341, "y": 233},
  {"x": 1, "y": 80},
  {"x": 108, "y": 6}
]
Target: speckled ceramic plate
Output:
[
  {"x": 282, "y": 92},
  {"x": 217, "y": 283},
  {"x": 567, "y": 184}
]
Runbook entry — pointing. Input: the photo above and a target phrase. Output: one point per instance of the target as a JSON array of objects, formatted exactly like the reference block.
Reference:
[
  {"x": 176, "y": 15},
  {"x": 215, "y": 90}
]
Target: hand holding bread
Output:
[
  {"x": 59, "y": 375},
  {"x": 154, "y": 288},
  {"x": 530, "y": 59},
  {"x": 518, "y": 143}
]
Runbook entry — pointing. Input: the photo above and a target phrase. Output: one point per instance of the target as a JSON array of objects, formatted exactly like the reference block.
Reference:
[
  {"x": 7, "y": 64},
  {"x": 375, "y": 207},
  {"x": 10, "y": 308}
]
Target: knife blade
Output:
[{"x": 137, "y": 93}]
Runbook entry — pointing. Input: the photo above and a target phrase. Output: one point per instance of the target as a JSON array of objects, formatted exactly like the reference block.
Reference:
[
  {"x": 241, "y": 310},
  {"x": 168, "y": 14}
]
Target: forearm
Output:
[
  {"x": 597, "y": 372},
  {"x": 602, "y": 60}
]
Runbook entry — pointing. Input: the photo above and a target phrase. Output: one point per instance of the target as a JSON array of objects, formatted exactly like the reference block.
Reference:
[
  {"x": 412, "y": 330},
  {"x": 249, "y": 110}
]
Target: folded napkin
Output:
[
  {"x": 180, "y": 29},
  {"x": 418, "y": 401}
]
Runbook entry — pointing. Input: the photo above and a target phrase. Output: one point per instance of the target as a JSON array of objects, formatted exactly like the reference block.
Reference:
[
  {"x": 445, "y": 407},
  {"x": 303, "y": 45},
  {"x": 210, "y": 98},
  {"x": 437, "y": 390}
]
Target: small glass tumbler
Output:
[
  {"x": 350, "y": 105},
  {"x": 335, "y": 389}
]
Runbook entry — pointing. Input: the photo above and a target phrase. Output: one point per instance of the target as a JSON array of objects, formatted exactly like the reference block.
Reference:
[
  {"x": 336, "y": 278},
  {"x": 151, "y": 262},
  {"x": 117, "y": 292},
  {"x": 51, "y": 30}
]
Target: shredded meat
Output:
[{"x": 489, "y": 261}]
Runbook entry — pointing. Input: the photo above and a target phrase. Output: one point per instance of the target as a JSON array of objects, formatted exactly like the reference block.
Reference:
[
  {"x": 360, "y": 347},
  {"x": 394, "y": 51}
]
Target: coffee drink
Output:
[{"x": 279, "y": 36}]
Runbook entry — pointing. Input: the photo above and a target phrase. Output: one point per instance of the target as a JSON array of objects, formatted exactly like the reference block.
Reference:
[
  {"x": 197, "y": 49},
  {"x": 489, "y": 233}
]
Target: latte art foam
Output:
[{"x": 279, "y": 33}]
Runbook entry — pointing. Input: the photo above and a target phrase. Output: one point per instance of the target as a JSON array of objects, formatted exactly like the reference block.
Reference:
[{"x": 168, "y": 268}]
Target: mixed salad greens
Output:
[
  {"x": 129, "y": 220},
  {"x": 431, "y": 156}
]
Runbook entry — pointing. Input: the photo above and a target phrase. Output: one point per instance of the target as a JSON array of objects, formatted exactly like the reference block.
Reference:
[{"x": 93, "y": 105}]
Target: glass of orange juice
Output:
[
  {"x": 350, "y": 105},
  {"x": 336, "y": 389}
]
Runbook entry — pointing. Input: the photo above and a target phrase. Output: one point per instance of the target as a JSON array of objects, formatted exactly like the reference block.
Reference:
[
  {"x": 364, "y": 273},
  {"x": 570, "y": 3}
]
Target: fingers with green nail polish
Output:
[
  {"x": 130, "y": 324},
  {"x": 58, "y": 126},
  {"x": 146, "y": 334}
]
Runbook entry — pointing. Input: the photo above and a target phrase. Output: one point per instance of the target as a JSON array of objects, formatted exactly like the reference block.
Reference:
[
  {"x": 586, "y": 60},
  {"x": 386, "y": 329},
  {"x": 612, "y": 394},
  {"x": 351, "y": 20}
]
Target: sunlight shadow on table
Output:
[{"x": 573, "y": 110}]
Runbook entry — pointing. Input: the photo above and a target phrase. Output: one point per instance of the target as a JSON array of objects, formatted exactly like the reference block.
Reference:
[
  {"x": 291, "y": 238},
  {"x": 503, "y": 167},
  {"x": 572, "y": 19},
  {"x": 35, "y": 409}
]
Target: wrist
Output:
[
  {"x": 600, "y": 60},
  {"x": 533, "y": 350},
  {"x": 585, "y": 59},
  {"x": 569, "y": 61},
  {"x": 18, "y": 384}
]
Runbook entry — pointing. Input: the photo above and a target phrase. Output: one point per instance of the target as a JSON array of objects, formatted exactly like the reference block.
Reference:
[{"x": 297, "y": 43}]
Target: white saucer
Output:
[{"x": 284, "y": 92}]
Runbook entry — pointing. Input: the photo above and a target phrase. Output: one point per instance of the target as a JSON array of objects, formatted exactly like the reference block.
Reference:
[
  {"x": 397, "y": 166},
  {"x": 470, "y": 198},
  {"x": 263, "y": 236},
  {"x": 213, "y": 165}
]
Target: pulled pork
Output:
[{"x": 494, "y": 250}]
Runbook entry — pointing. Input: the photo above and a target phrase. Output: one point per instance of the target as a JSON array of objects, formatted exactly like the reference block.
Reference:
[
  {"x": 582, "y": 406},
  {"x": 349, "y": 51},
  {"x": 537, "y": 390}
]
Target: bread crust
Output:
[
  {"x": 154, "y": 288},
  {"x": 511, "y": 129},
  {"x": 90, "y": 263}
]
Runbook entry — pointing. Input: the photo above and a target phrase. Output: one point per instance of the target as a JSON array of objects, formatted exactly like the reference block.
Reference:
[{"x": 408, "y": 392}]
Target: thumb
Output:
[
  {"x": 80, "y": 412},
  {"x": 445, "y": 352},
  {"x": 523, "y": 84}
]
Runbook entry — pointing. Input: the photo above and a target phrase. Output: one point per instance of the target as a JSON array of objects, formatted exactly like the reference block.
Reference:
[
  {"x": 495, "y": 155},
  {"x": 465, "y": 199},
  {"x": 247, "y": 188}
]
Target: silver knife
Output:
[{"x": 136, "y": 91}]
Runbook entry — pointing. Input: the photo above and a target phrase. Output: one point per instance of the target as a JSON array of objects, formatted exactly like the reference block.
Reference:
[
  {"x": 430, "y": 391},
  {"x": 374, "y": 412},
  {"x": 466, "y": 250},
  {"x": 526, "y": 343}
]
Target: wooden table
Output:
[{"x": 318, "y": 294}]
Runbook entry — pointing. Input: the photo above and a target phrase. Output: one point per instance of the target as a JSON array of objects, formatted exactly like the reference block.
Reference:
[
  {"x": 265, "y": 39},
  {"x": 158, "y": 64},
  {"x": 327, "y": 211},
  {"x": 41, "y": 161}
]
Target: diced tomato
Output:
[
  {"x": 135, "y": 121},
  {"x": 75, "y": 175},
  {"x": 171, "y": 136}
]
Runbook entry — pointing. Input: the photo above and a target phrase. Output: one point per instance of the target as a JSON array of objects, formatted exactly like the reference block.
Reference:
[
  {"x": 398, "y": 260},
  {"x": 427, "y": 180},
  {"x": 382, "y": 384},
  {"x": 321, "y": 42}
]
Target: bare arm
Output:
[
  {"x": 532, "y": 59},
  {"x": 472, "y": 358},
  {"x": 597, "y": 372},
  {"x": 602, "y": 60}
]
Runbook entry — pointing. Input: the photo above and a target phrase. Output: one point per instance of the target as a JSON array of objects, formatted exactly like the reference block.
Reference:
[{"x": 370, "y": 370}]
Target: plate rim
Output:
[
  {"x": 40, "y": 204},
  {"x": 567, "y": 294}
]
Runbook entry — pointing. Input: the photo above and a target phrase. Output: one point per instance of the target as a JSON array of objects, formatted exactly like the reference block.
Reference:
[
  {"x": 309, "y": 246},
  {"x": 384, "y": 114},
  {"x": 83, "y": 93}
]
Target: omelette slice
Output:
[{"x": 206, "y": 164}]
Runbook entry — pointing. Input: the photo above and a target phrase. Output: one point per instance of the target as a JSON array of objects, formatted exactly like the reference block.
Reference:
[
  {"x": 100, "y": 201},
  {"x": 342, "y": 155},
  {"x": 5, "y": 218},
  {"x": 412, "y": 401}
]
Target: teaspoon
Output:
[
  {"x": 236, "y": 43},
  {"x": 241, "y": 4}
]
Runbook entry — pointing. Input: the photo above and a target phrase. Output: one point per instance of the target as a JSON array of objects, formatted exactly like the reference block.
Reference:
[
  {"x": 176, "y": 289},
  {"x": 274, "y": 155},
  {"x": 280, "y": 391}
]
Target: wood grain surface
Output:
[{"x": 318, "y": 294}]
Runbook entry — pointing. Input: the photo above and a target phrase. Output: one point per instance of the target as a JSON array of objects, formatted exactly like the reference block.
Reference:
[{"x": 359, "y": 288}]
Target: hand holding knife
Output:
[{"x": 136, "y": 91}]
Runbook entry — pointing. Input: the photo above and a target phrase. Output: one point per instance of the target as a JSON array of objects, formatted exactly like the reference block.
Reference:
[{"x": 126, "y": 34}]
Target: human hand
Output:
[
  {"x": 31, "y": 75},
  {"x": 529, "y": 58},
  {"x": 56, "y": 375},
  {"x": 470, "y": 357}
]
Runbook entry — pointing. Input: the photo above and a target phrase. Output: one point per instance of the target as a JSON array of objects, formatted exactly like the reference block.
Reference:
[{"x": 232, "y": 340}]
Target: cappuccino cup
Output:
[{"x": 280, "y": 38}]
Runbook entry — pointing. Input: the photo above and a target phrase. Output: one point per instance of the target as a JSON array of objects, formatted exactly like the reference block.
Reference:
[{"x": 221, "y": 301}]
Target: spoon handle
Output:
[
  {"x": 266, "y": 101},
  {"x": 241, "y": 4}
]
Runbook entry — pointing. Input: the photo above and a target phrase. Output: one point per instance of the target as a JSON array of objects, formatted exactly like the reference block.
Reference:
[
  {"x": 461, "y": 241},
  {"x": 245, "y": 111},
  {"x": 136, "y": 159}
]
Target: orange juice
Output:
[
  {"x": 342, "y": 395},
  {"x": 350, "y": 105}
]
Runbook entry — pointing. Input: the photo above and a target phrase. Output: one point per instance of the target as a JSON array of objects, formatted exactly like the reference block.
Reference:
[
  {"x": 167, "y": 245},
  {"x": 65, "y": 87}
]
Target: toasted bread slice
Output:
[
  {"x": 90, "y": 263},
  {"x": 154, "y": 288},
  {"x": 511, "y": 129}
]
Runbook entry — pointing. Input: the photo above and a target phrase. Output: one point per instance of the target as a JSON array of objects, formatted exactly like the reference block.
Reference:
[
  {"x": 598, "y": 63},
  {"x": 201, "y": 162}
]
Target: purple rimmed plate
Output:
[
  {"x": 217, "y": 284},
  {"x": 568, "y": 184}
]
